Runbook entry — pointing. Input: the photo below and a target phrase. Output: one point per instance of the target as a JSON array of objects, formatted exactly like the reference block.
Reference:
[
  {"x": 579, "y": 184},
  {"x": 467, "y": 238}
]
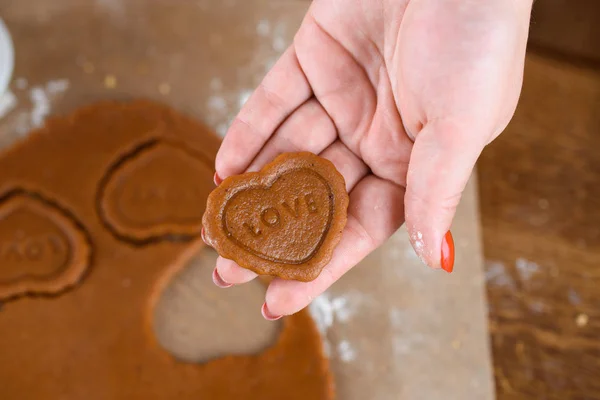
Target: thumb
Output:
[{"x": 441, "y": 162}]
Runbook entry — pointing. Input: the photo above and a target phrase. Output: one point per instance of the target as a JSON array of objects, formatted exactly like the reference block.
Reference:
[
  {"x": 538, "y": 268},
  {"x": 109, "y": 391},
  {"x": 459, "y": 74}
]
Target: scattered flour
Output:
[
  {"x": 279, "y": 43},
  {"x": 8, "y": 101},
  {"x": 243, "y": 97},
  {"x": 345, "y": 351},
  {"x": 327, "y": 310},
  {"x": 225, "y": 101},
  {"x": 419, "y": 245},
  {"x": 217, "y": 103},
  {"x": 495, "y": 274},
  {"x": 32, "y": 113},
  {"x": 57, "y": 86},
  {"x": 278, "y": 37},
  {"x": 41, "y": 97},
  {"x": 270, "y": 63},
  {"x": 263, "y": 28},
  {"x": 222, "y": 129},
  {"x": 220, "y": 112},
  {"x": 526, "y": 269},
  {"x": 418, "y": 239},
  {"x": 41, "y": 106}
]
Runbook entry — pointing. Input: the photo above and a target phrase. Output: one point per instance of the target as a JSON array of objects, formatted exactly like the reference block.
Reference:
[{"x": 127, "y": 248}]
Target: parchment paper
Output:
[{"x": 393, "y": 328}]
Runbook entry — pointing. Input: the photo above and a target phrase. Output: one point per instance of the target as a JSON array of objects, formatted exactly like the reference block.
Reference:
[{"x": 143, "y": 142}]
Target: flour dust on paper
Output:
[
  {"x": 27, "y": 107},
  {"x": 328, "y": 311}
]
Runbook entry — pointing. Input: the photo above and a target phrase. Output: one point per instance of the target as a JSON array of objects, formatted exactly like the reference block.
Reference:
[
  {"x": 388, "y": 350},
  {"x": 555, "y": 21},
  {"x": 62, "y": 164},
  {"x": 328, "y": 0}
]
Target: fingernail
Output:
[
  {"x": 217, "y": 179},
  {"x": 447, "y": 260},
  {"x": 217, "y": 280},
  {"x": 267, "y": 314}
]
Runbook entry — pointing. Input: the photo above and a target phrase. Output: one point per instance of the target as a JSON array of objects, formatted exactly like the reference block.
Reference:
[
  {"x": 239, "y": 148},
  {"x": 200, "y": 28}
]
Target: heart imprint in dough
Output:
[
  {"x": 156, "y": 192},
  {"x": 42, "y": 250}
]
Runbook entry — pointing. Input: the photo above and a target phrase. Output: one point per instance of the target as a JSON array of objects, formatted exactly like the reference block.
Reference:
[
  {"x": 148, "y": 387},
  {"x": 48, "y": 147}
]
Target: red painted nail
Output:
[
  {"x": 217, "y": 179},
  {"x": 217, "y": 280},
  {"x": 267, "y": 314},
  {"x": 447, "y": 260}
]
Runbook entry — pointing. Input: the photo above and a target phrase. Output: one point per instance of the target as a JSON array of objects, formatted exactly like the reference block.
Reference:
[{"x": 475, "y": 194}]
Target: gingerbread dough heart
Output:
[{"x": 283, "y": 221}]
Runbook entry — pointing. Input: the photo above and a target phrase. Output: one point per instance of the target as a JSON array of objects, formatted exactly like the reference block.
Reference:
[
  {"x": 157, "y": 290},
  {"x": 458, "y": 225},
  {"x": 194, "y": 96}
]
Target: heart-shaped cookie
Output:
[{"x": 283, "y": 221}]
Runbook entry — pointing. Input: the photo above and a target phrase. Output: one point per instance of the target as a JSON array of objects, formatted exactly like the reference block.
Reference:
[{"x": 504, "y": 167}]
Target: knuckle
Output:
[
  {"x": 271, "y": 97},
  {"x": 419, "y": 203}
]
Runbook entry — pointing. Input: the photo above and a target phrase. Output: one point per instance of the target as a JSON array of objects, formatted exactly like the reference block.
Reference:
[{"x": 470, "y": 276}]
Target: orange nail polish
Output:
[
  {"x": 447, "y": 260},
  {"x": 217, "y": 179}
]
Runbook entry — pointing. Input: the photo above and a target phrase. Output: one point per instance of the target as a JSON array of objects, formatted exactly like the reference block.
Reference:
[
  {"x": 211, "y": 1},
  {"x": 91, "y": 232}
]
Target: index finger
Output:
[{"x": 283, "y": 90}]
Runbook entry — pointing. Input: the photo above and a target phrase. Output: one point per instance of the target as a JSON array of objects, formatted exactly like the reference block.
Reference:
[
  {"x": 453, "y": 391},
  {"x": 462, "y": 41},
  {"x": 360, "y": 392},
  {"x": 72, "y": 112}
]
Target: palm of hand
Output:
[{"x": 362, "y": 81}]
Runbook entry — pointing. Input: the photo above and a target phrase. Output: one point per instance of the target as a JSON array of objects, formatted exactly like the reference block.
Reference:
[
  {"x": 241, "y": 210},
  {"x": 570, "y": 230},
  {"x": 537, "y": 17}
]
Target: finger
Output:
[
  {"x": 376, "y": 211},
  {"x": 441, "y": 163},
  {"x": 232, "y": 274},
  {"x": 352, "y": 168},
  {"x": 309, "y": 128},
  {"x": 282, "y": 91},
  {"x": 339, "y": 83}
]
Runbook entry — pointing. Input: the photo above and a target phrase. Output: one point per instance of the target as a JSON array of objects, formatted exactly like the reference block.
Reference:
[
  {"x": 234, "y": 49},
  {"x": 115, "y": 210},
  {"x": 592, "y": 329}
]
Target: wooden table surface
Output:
[
  {"x": 540, "y": 204},
  {"x": 567, "y": 28}
]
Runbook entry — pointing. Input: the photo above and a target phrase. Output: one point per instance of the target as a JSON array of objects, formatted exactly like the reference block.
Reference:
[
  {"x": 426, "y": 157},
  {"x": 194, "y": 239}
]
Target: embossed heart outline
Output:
[
  {"x": 217, "y": 235},
  {"x": 79, "y": 256},
  {"x": 267, "y": 188},
  {"x": 171, "y": 232}
]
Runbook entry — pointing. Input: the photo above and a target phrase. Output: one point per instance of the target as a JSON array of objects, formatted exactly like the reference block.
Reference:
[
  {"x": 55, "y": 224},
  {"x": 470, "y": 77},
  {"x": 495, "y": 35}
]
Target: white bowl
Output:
[{"x": 7, "y": 58}]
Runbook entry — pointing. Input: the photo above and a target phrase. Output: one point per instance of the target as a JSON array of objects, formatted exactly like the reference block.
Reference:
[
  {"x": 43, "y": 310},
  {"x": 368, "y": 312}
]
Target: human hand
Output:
[{"x": 402, "y": 96}]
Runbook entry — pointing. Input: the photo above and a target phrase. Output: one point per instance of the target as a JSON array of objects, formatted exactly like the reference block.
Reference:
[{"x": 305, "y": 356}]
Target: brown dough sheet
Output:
[{"x": 122, "y": 186}]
